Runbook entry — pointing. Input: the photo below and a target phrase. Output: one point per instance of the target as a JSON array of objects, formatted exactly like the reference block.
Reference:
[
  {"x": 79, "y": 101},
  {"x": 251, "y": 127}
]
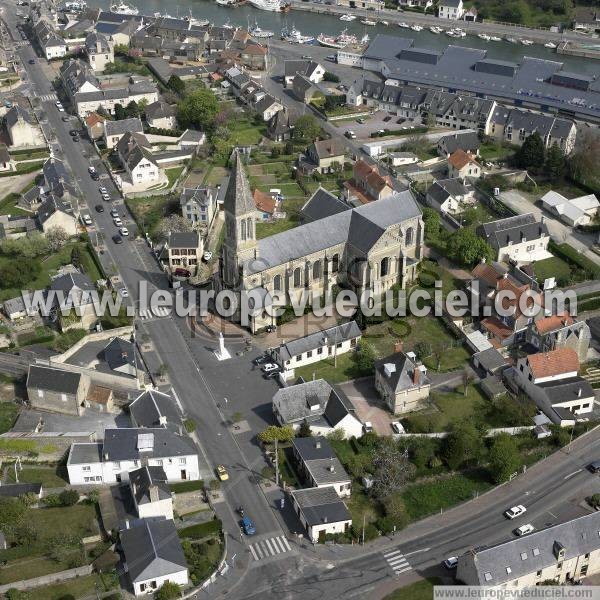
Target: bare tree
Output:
[
  {"x": 56, "y": 237},
  {"x": 391, "y": 467}
]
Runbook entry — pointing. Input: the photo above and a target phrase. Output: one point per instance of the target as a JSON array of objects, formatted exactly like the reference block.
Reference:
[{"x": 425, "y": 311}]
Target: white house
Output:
[
  {"x": 321, "y": 511},
  {"x": 561, "y": 363},
  {"x": 451, "y": 9},
  {"x": 577, "y": 211},
  {"x": 23, "y": 129},
  {"x": 450, "y": 195},
  {"x": 124, "y": 450},
  {"x": 317, "y": 346},
  {"x": 311, "y": 69},
  {"x": 153, "y": 555},
  {"x": 115, "y": 130},
  {"x": 320, "y": 405},
  {"x": 135, "y": 156},
  {"x": 151, "y": 493},
  {"x": 462, "y": 165}
]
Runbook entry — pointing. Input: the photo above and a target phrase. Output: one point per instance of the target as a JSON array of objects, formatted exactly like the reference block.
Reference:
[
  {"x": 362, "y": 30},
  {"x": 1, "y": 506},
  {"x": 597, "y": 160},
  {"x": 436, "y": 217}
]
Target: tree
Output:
[
  {"x": 332, "y": 77},
  {"x": 464, "y": 445},
  {"x": 13, "y": 275},
  {"x": 583, "y": 162},
  {"x": 504, "y": 458},
  {"x": 168, "y": 591},
  {"x": 272, "y": 433},
  {"x": 466, "y": 248},
  {"x": 307, "y": 129},
  {"x": 365, "y": 358},
  {"x": 120, "y": 112},
  {"x": 304, "y": 430},
  {"x": 360, "y": 464},
  {"x": 29, "y": 499},
  {"x": 391, "y": 468},
  {"x": 176, "y": 84},
  {"x": 555, "y": 166},
  {"x": 395, "y": 509},
  {"x": 12, "y": 513},
  {"x": 433, "y": 223},
  {"x": 56, "y": 237},
  {"x": 531, "y": 153},
  {"x": 132, "y": 110},
  {"x": 198, "y": 110},
  {"x": 15, "y": 594},
  {"x": 423, "y": 452},
  {"x": 69, "y": 497}
]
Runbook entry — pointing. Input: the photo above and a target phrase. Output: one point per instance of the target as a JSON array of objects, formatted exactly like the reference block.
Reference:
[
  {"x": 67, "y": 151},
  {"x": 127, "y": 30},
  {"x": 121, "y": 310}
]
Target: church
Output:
[{"x": 372, "y": 247}]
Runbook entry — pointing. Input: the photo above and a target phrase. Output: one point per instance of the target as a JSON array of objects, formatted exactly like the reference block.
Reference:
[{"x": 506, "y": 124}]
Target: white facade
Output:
[
  {"x": 157, "y": 508},
  {"x": 349, "y": 56},
  {"x": 526, "y": 251},
  {"x": 452, "y": 10},
  {"x": 58, "y": 51},
  {"x": 149, "y": 586},
  {"x": 108, "y": 103},
  {"x": 312, "y": 356},
  {"x": 145, "y": 171},
  {"x": 525, "y": 373}
]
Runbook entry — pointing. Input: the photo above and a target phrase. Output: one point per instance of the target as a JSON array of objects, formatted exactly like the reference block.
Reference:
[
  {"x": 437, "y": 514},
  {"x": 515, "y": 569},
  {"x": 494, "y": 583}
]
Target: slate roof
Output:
[
  {"x": 14, "y": 490},
  {"x": 313, "y": 448},
  {"x": 360, "y": 227},
  {"x": 321, "y": 505},
  {"x": 142, "y": 479},
  {"x": 328, "y": 148},
  {"x": 567, "y": 390},
  {"x": 468, "y": 140},
  {"x": 123, "y": 126},
  {"x": 335, "y": 334},
  {"x": 119, "y": 352},
  {"x": 17, "y": 113},
  {"x": 404, "y": 373},
  {"x": 72, "y": 281},
  {"x": 159, "y": 110},
  {"x": 322, "y": 204},
  {"x": 85, "y": 453},
  {"x": 122, "y": 444},
  {"x": 490, "y": 359},
  {"x": 184, "y": 239},
  {"x": 533, "y": 552},
  {"x": 266, "y": 102},
  {"x": 96, "y": 43},
  {"x": 56, "y": 178},
  {"x": 152, "y": 549},
  {"x": 443, "y": 189},
  {"x": 152, "y": 408},
  {"x": 16, "y": 305},
  {"x": 238, "y": 197},
  {"x": 530, "y": 122},
  {"x": 202, "y": 196},
  {"x": 512, "y": 229},
  {"x": 53, "y": 380}
]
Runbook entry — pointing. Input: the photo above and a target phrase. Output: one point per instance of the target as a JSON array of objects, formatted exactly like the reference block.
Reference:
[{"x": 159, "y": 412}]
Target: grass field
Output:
[
  {"x": 420, "y": 590},
  {"x": 173, "y": 174},
  {"x": 82, "y": 587},
  {"x": 48, "y": 476},
  {"x": 8, "y": 414},
  {"x": 552, "y": 267},
  {"x": 495, "y": 151},
  {"x": 149, "y": 210}
]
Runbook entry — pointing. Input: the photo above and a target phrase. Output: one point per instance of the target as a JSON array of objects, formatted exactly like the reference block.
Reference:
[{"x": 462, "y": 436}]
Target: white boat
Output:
[
  {"x": 384, "y": 23},
  {"x": 76, "y": 5},
  {"x": 257, "y": 32},
  {"x": 550, "y": 45},
  {"x": 341, "y": 41},
  {"x": 193, "y": 21},
  {"x": 510, "y": 40},
  {"x": 527, "y": 42},
  {"x": 460, "y": 32},
  {"x": 483, "y": 36},
  {"x": 225, "y": 2},
  {"x": 295, "y": 37},
  {"x": 495, "y": 38},
  {"x": 365, "y": 39},
  {"x": 347, "y": 18},
  {"x": 403, "y": 25},
  {"x": 368, "y": 22},
  {"x": 227, "y": 25},
  {"x": 270, "y": 5},
  {"x": 416, "y": 27},
  {"x": 124, "y": 9},
  {"x": 435, "y": 29}
]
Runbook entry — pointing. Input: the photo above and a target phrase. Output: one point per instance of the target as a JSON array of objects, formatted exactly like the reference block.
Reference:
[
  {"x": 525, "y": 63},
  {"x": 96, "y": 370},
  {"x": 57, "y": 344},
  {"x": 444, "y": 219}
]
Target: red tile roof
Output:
[
  {"x": 555, "y": 362},
  {"x": 93, "y": 119},
  {"x": 264, "y": 202},
  {"x": 548, "y": 324},
  {"x": 460, "y": 159},
  {"x": 497, "y": 328}
]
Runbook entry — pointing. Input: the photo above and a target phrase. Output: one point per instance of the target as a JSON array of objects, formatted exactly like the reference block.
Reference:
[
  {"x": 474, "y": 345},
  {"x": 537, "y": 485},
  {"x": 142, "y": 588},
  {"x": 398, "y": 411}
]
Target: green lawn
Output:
[
  {"x": 8, "y": 414},
  {"x": 48, "y": 476},
  {"x": 244, "y": 132},
  {"x": 81, "y": 587},
  {"x": 495, "y": 151},
  {"x": 173, "y": 174},
  {"x": 50, "y": 521},
  {"x": 291, "y": 207},
  {"x": 420, "y": 590},
  {"x": 346, "y": 369},
  {"x": 552, "y": 267}
]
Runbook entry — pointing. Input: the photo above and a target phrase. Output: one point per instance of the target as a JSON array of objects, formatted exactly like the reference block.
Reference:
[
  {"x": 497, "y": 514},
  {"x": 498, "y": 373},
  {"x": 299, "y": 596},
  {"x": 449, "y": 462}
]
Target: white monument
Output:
[{"x": 222, "y": 353}]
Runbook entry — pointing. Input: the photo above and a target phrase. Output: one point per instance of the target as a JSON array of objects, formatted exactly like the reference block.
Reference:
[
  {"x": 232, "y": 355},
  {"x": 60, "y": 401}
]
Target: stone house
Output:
[
  {"x": 57, "y": 390},
  {"x": 185, "y": 251},
  {"x": 462, "y": 165}
]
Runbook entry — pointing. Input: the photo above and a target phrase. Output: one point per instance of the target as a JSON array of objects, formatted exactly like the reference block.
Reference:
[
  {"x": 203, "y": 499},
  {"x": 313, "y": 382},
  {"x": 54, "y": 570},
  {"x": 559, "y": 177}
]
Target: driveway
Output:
[
  {"x": 559, "y": 231},
  {"x": 368, "y": 405}
]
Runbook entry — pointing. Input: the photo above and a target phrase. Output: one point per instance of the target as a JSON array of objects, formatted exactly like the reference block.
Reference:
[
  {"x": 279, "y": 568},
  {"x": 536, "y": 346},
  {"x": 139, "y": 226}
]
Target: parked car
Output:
[
  {"x": 524, "y": 529},
  {"x": 248, "y": 526},
  {"x": 350, "y": 134},
  {"x": 207, "y": 255},
  {"x": 594, "y": 467},
  {"x": 397, "y": 427},
  {"x": 117, "y": 239},
  {"x": 114, "y": 213},
  {"x": 95, "y": 176},
  {"x": 451, "y": 562},
  {"x": 124, "y": 231},
  {"x": 331, "y": 57},
  {"x": 99, "y": 208},
  {"x": 360, "y": 120},
  {"x": 261, "y": 360},
  {"x": 102, "y": 189},
  {"x": 75, "y": 138},
  {"x": 271, "y": 374},
  {"x": 74, "y": 132},
  {"x": 222, "y": 473},
  {"x": 368, "y": 427},
  {"x": 269, "y": 367},
  {"x": 124, "y": 292},
  {"x": 31, "y": 61},
  {"x": 306, "y": 57},
  {"x": 87, "y": 220},
  {"x": 59, "y": 106},
  {"x": 117, "y": 221},
  {"x": 91, "y": 170},
  {"x": 515, "y": 511},
  {"x": 386, "y": 119}
]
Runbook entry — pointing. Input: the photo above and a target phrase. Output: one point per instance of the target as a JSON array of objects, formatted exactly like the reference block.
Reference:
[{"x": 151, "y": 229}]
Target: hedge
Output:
[
  {"x": 27, "y": 168},
  {"x": 399, "y": 132},
  {"x": 572, "y": 256},
  {"x": 187, "y": 486},
  {"x": 591, "y": 304},
  {"x": 201, "y": 530},
  {"x": 427, "y": 279}
]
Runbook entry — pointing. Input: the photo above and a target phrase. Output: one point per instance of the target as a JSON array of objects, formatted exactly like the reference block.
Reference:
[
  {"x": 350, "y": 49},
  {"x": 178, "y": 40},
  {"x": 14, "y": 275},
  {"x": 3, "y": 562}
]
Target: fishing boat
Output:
[
  {"x": 76, "y": 5},
  {"x": 527, "y": 42},
  {"x": 124, "y": 9},
  {"x": 435, "y": 29},
  {"x": 225, "y": 2},
  {"x": 416, "y": 27},
  {"x": 347, "y": 18},
  {"x": 550, "y": 45},
  {"x": 403, "y": 25},
  {"x": 294, "y": 36},
  {"x": 228, "y": 25},
  {"x": 368, "y": 22},
  {"x": 269, "y": 5},
  {"x": 461, "y": 33},
  {"x": 483, "y": 36},
  {"x": 193, "y": 21},
  {"x": 510, "y": 40},
  {"x": 341, "y": 41},
  {"x": 386, "y": 23},
  {"x": 495, "y": 38},
  {"x": 257, "y": 32}
]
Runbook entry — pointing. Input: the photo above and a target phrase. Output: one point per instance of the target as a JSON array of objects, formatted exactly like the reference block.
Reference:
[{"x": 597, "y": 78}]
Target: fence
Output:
[{"x": 47, "y": 579}]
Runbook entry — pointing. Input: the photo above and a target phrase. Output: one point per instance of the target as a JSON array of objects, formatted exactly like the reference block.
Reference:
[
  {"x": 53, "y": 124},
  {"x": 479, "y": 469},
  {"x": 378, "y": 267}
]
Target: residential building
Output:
[
  {"x": 115, "y": 130},
  {"x": 462, "y": 165},
  {"x": 471, "y": 15},
  {"x": 323, "y": 407},
  {"x": 574, "y": 212},
  {"x": 364, "y": 4},
  {"x": 254, "y": 56},
  {"x": 267, "y": 205},
  {"x": 54, "y": 212},
  {"x": 325, "y": 156},
  {"x": 199, "y": 206},
  {"x": 267, "y": 106},
  {"x": 367, "y": 184},
  {"x": 553, "y": 365},
  {"x": 311, "y": 69},
  {"x": 94, "y": 125},
  {"x": 16, "y": 490},
  {"x": 344, "y": 246},
  {"x": 77, "y": 77},
  {"x": 23, "y": 129},
  {"x": 99, "y": 398},
  {"x": 317, "y": 346},
  {"x": 319, "y": 466},
  {"x": 401, "y": 159},
  {"x": 99, "y": 51},
  {"x": 450, "y": 195},
  {"x": 155, "y": 409},
  {"x": 490, "y": 361},
  {"x": 74, "y": 301},
  {"x": 16, "y": 308},
  {"x": 152, "y": 555},
  {"x": 151, "y": 493},
  {"x": 160, "y": 115},
  {"x": 402, "y": 382},
  {"x": 321, "y": 511},
  {"x": 415, "y": 3},
  {"x": 141, "y": 168},
  {"x": 521, "y": 238},
  {"x": 563, "y": 553},
  {"x": 57, "y": 390},
  {"x": 281, "y": 126},
  {"x": 451, "y": 9},
  {"x": 560, "y": 331},
  {"x": 120, "y": 356},
  {"x": 467, "y": 141},
  {"x": 52, "y": 45},
  {"x": 126, "y": 449},
  {"x": 185, "y": 251}
]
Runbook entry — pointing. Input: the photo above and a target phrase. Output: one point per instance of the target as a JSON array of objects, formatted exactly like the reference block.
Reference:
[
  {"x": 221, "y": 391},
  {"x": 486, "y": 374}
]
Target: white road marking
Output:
[
  {"x": 253, "y": 552},
  {"x": 573, "y": 473}
]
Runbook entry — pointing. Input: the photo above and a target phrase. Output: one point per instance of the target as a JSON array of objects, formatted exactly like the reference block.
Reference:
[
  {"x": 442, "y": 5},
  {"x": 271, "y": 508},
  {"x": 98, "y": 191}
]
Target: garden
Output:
[{"x": 203, "y": 548}]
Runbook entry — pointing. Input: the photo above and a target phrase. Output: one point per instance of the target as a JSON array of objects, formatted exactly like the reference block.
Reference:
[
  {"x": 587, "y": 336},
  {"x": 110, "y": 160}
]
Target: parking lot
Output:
[{"x": 379, "y": 120}]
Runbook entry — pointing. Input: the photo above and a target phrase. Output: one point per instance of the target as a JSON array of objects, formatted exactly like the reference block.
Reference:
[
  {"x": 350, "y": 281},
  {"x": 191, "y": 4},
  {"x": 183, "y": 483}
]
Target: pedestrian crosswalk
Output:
[
  {"x": 156, "y": 311},
  {"x": 269, "y": 547},
  {"x": 397, "y": 562},
  {"x": 47, "y": 97}
]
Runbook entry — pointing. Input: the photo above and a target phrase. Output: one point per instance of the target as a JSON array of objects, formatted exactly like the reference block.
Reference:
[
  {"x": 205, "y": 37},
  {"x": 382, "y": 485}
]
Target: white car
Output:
[
  {"x": 124, "y": 231},
  {"x": 59, "y": 106},
  {"x": 524, "y": 529},
  {"x": 91, "y": 170},
  {"x": 397, "y": 427},
  {"x": 515, "y": 511},
  {"x": 269, "y": 367},
  {"x": 117, "y": 221},
  {"x": 87, "y": 220},
  {"x": 451, "y": 562},
  {"x": 124, "y": 293},
  {"x": 368, "y": 427},
  {"x": 207, "y": 255},
  {"x": 102, "y": 189}
]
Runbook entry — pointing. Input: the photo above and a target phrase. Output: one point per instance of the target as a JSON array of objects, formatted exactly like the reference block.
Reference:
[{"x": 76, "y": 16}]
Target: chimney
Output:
[
  {"x": 398, "y": 346},
  {"x": 124, "y": 355},
  {"x": 579, "y": 393},
  {"x": 505, "y": 276},
  {"x": 331, "y": 469},
  {"x": 153, "y": 490},
  {"x": 416, "y": 376},
  {"x": 483, "y": 260},
  {"x": 134, "y": 488},
  {"x": 318, "y": 444},
  {"x": 324, "y": 519}
]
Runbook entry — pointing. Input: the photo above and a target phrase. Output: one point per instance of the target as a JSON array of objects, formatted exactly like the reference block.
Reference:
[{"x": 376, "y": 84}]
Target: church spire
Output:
[{"x": 238, "y": 197}]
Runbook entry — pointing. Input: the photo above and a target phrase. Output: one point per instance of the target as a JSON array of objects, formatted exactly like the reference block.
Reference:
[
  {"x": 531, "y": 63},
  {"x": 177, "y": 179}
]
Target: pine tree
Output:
[
  {"x": 531, "y": 154},
  {"x": 555, "y": 163}
]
